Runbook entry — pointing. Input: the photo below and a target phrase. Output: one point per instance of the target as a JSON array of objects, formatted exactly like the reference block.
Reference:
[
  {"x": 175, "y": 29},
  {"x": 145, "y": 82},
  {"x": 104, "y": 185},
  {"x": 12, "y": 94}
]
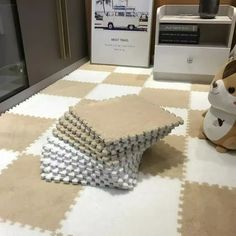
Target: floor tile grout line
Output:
[{"x": 183, "y": 181}]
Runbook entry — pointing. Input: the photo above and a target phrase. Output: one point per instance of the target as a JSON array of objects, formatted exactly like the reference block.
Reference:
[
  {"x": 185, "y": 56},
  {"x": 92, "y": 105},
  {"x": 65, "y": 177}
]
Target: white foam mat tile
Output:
[
  {"x": 150, "y": 209},
  {"x": 206, "y": 165},
  {"x": 9, "y": 229},
  {"x": 199, "y": 101},
  {"x": 167, "y": 85},
  {"x": 6, "y": 158},
  {"x": 106, "y": 91},
  {"x": 36, "y": 147},
  {"x": 183, "y": 113},
  {"x": 133, "y": 70},
  {"x": 87, "y": 76},
  {"x": 45, "y": 106}
]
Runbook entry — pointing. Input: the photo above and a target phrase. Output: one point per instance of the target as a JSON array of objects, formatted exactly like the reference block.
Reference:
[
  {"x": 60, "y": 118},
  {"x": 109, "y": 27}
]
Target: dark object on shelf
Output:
[
  {"x": 180, "y": 37},
  {"x": 179, "y": 27},
  {"x": 179, "y": 41},
  {"x": 208, "y": 9}
]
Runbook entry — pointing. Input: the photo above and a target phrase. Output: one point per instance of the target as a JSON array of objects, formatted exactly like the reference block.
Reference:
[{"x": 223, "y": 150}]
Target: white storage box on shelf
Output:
[{"x": 194, "y": 62}]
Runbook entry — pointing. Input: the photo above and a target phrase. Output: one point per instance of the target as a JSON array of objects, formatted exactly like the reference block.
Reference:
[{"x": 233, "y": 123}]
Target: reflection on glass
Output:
[{"x": 12, "y": 66}]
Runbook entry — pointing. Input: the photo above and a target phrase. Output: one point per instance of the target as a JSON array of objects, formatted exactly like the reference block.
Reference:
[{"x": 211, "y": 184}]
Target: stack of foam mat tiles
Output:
[{"x": 100, "y": 143}]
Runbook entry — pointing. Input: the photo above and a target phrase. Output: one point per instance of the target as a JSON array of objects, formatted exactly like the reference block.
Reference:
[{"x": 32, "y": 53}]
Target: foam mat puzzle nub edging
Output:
[
  {"x": 88, "y": 150},
  {"x": 69, "y": 127},
  {"x": 94, "y": 149},
  {"x": 99, "y": 156},
  {"x": 75, "y": 127},
  {"x": 62, "y": 162}
]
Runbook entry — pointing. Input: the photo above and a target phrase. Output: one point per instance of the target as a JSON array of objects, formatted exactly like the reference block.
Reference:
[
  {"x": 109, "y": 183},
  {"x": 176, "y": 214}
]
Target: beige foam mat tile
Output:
[
  {"x": 72, "y": 117},
  {"x": 165, "y": 158},
  {"x": 208, "y": 210},
  {"x": 104, "y": 156},
  {"x": 17, "y": 131},
  {"x": 88, "y": 149},
  {"x": 126, "y": 79},
  {"x": 194, "y": 123},
  {"x": 166, "y": 97},
  {"x": 200, "y": 87},
  {"x": 82, "y": 127},
  {"x": 27, "y": 199},
  {"x": 69, "y": 89},
  {"x": 71, "y": 129},
  {"x": 95, "y": 67},
  {"x": 122, "y": 117}
]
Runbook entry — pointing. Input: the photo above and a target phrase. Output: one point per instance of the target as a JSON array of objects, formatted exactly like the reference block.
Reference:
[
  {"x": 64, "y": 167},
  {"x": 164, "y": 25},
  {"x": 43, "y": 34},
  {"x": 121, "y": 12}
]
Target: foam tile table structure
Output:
[{"x": 100, "y": 143}]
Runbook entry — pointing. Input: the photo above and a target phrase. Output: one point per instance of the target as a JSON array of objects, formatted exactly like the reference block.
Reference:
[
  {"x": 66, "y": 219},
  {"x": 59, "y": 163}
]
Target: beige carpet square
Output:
[
  {"x": 166, "y": 158},
  {"x": 195, "y": 123},
  {"x": 17, "y": 131},
  {"x": 95, "y": 67},
  {"x": 126, "y": 79},
  {"x": 166, "y": 97},
  {"x": 27, "y": 199},
  {"x": 69, "y": 89},
  {"x": 123, "y": 117},
  {"x": 208, "y": 211}
]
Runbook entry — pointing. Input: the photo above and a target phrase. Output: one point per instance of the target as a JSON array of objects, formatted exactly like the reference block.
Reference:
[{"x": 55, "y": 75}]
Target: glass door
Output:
[{"x": 13, "y": 76}]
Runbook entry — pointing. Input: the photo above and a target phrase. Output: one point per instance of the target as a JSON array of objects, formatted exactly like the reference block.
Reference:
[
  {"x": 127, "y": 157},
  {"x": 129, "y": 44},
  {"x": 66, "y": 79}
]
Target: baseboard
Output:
[
  {"x": 203, "y": 79},
  {"x": 23, "y": 95}
]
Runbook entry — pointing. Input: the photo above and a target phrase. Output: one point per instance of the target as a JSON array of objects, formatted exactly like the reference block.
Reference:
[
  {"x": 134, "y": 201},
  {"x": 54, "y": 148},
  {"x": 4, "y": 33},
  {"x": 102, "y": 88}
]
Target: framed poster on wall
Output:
[{"x": 121, "y": 31}]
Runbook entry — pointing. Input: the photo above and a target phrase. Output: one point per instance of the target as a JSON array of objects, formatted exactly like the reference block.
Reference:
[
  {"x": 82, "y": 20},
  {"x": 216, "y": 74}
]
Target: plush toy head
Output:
[{"x": 222, "y": 93}]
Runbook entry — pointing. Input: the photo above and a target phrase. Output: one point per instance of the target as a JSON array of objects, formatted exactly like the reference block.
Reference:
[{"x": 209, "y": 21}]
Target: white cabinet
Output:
[
  {"x": 193, "y": 62},
  {"x": 189, "y": 60}
]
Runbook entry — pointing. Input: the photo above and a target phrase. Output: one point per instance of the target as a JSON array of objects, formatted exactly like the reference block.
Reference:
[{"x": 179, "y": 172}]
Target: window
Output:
[
  {"x": 130, "y": 14},
  {"x": 120, "y": 14}
]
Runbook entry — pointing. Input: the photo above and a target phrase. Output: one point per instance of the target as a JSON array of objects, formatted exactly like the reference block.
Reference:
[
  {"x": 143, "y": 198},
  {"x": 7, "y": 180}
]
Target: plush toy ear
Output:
[{"x": 230, "y": 69}]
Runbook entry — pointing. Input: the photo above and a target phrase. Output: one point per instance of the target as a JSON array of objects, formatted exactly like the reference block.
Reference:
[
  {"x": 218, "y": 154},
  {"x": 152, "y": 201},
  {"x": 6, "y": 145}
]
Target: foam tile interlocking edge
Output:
[{"x": 171, "y": 213}]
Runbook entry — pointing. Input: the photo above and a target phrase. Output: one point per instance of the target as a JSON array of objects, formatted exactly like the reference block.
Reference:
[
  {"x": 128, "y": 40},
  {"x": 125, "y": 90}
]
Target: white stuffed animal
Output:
[{"x": 219, "y": 125}]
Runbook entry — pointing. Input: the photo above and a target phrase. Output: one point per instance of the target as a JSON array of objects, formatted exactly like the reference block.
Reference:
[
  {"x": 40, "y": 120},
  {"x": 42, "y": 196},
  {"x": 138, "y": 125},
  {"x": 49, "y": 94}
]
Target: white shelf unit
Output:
[
  {"x": 194, "y": 62},
  {"x": 195, "y": 19}
]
